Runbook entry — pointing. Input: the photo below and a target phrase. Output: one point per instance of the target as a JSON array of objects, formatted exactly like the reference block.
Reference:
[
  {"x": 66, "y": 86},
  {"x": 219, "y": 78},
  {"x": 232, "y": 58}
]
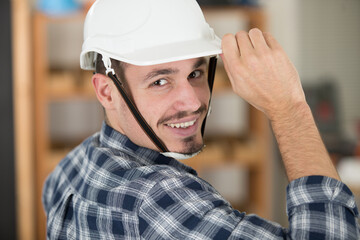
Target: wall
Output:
[{"x": 330, "y": 48}]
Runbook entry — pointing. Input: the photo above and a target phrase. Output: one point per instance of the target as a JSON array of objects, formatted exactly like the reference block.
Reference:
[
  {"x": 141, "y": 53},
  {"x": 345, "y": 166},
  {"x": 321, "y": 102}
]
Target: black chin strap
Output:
[
  {"x": 137, "y": 115},
  {"x": 211, "y": 77},
  {"x": 140, "y": 119}
]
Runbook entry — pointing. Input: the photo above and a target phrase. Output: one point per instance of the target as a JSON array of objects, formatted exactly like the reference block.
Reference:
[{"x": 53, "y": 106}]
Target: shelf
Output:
[
  {"x": 245, "y": 154},
  {"x": 69, "y": 85},
  {"x": 61, "y": 19}
]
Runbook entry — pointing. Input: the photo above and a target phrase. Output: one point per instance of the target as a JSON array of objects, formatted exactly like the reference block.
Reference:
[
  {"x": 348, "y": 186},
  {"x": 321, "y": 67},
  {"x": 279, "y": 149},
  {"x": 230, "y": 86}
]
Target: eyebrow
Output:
[
  {"x": 168, "y": 71},
  {"x": 199, "y": 62},
  {"x": 157, "y": 72}
]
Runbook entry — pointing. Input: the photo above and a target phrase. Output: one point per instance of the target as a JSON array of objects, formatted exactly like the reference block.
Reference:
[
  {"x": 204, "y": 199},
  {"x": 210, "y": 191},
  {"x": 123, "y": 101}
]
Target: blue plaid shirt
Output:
[{"x": 109, "y": 188}]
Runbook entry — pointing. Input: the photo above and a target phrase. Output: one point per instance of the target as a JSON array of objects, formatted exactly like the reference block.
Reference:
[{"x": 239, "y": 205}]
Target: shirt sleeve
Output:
[
  {"x": 188, "y": 208},
  {"x": 321, "y": 208}
]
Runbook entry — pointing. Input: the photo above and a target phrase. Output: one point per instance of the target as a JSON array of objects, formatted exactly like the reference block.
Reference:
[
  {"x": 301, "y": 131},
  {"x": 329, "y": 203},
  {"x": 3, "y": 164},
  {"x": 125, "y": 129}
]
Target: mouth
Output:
[
  {"x": 182, "y": 124},
  {"x": 184, "y": 128}
]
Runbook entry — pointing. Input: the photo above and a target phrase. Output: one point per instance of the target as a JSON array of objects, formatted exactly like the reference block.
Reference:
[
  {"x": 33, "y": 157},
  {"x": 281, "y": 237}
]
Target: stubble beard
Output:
[{"x": 192, "y": 146}]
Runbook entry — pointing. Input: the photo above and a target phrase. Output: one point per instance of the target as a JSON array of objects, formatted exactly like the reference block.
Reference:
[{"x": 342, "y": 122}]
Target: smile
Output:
[{"x": 182, "y": 125}]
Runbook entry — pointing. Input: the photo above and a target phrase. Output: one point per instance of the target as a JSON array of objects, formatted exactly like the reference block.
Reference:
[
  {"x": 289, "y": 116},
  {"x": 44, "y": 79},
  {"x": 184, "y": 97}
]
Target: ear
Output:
[{"x": 103, "y": 89}]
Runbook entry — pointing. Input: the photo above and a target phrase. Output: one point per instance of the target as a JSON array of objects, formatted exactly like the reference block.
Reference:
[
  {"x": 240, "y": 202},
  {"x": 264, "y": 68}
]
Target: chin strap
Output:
[
  {"x": 133, "y": 109},
  {"x": 211, "y": 78},
  {"x": 140, "y": 119},
  {"x": 180, "y": 156}
]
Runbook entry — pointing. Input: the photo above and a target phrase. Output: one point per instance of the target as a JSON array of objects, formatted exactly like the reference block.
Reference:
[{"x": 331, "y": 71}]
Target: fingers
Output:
[
  {"x": 247, "y": 43},
  {"x": 271, "y": 41},
  {"x": 230, "y": 47},
  {"x": 258, "y": 40},
  {"x": 244, "y": 43},
  {"x": 231, "y": 52}
]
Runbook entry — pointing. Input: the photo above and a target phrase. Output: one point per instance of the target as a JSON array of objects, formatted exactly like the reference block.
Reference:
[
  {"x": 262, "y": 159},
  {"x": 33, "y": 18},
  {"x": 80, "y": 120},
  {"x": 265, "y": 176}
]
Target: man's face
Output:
[{"x": 173, "y": 98}]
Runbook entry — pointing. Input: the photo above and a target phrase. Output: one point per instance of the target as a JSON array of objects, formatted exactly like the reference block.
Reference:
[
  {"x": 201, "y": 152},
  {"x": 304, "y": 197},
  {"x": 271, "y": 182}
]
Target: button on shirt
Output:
[{"x": 110, "y": 188}]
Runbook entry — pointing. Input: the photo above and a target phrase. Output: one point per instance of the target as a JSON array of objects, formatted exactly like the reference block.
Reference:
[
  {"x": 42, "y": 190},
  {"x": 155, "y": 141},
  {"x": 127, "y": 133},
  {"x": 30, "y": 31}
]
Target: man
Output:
[{"x": 154, "y": 63}]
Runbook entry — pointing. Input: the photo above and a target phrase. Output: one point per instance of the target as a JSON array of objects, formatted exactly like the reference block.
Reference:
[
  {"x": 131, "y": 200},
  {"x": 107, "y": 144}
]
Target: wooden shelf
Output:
[
  {"x": 244, "y": 154},
  {"x": 69, "y": 85},
  {"x": 61, "y": 19},
  {"x": 50, "y": 85},
  {"x": 256, "y": 16}
]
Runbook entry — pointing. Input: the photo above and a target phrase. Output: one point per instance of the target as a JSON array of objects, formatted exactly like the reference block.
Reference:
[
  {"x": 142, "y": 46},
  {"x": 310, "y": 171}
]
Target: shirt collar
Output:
[{"x": 113, "y": 139}]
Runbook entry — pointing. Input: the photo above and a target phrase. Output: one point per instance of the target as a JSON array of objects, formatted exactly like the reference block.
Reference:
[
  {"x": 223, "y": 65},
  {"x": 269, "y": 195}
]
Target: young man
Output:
[{"x": 154, "y": 70}]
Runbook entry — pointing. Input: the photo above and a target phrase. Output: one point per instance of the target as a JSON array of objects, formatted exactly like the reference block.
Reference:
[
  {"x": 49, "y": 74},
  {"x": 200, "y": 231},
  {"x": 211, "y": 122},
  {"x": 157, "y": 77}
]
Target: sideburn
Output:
[{"x": 120, "y": 74}]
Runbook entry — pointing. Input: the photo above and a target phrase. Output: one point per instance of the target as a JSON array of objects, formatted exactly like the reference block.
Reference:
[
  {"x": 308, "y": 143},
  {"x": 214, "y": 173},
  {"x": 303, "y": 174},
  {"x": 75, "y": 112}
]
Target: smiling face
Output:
[{"x": 172, "y": 97}]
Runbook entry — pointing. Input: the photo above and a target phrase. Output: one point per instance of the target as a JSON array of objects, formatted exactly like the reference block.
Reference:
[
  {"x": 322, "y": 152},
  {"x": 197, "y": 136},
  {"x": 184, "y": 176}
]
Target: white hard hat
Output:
[{"x": 146, "y": 32}]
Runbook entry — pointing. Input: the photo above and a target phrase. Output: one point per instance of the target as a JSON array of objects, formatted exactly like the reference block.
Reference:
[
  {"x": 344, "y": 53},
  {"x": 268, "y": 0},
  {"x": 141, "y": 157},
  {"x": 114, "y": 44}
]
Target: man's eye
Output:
[
  {"x": 195, "y": 74},
  {"x": 160, "y": 82}
]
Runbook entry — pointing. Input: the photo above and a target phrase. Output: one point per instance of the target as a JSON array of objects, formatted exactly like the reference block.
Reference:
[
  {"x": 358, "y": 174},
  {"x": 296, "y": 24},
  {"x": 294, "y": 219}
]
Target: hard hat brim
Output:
[{"x": 156, "y": 54}]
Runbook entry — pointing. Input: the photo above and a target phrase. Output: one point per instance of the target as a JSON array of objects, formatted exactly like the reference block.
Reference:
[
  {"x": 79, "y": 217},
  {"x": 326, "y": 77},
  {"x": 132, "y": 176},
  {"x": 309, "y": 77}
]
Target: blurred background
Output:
[{"x": 48, "y": 105}]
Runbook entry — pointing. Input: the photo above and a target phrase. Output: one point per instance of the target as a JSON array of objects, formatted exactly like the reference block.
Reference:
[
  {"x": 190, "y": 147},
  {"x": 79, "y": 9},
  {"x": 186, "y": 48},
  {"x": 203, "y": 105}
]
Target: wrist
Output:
[{"x": 290, "y": 113}]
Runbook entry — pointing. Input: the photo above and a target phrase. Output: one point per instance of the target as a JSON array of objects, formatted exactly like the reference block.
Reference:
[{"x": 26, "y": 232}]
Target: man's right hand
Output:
[{"x": 260, "y": 72}]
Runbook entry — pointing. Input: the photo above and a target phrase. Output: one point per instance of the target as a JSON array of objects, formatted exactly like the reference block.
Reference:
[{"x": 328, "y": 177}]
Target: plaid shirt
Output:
[{"x": 109, "y": 188}]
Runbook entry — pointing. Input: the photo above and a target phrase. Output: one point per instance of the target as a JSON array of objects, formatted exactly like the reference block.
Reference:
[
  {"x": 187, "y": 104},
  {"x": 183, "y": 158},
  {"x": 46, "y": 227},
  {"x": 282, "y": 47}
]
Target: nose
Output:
[{"x": 187, "y": 98}]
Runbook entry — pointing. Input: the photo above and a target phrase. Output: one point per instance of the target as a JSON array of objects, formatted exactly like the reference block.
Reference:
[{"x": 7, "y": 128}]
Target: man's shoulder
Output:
[
  {"x": 74, "y": 157},
  {"x": 105, "y": 176}
]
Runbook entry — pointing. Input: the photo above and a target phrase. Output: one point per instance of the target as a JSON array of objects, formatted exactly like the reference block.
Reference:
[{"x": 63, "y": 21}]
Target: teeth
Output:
[{"x": 182, "y": 125}]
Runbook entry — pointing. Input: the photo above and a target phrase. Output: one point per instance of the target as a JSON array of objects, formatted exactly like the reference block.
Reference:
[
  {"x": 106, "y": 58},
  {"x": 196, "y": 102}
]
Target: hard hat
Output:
[{"x": 146, "y": 32}]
